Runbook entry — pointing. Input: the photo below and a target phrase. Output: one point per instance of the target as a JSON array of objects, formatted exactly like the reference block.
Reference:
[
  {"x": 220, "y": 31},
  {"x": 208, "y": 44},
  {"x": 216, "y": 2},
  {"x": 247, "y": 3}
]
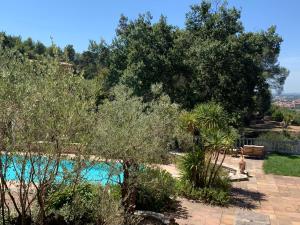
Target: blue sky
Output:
[{"x": 77, "y": 21}]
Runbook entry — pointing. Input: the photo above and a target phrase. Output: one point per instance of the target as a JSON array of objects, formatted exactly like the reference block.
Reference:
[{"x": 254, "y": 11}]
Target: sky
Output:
[{"x": 78, "y": 21}]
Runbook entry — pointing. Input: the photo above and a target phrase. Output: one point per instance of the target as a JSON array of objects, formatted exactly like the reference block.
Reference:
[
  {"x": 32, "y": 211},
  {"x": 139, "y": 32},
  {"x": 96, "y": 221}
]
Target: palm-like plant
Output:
[
  {"x": 192, "y": 167},
  {"x": 203, "y": 165},
  {"x": 217, "y": 142},
  {"x": 210, "y": 116}
]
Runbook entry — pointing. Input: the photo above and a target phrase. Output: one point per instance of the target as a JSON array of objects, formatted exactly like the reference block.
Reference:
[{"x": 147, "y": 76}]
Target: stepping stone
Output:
[{"x": 244, "y": 217}]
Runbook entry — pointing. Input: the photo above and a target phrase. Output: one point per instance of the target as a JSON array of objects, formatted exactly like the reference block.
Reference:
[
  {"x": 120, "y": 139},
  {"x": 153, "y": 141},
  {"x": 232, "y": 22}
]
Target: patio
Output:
[{"x": 275, "y": 196}]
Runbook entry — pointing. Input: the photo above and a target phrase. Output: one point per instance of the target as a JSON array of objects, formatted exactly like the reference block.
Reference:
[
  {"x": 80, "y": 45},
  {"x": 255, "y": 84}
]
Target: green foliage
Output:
[
  {"x": 212, "y": 59},
  {"x": 277, "y": 115},
  {"x": 93, "y": 61},
  {"x": 29, "y": 48},
  {"x": 285, "y": 165},
  {"x": 288, "y": 116},
  {"x": 209, "y": 123},
  {"x": 296, "y": 119},
  {"x": 213, "y": 195},
  {"x": 127, "y": 128},
  {"x": 199, "y": 171},
  {"x": 69, "y": 53},
  {"x": 60, "y": 196},
  {"x": 192, "y": 167},
  {"x": 134, "y": 132},
  {"x": 210, "y": 116},
  {"x": 86, "y": 203},
  {"x": 44, "y": 101},
  {"x": 202, "y": 168},
  {"x": 206, "y": 61},
  {"x": 155, "y": 189},
  {"x": 222, "y": 62},
  {"x": 263, "y": 100},
  {"x": 275, "y": 136},
  {"x": 45, "y": 109},
  {"x": 142, "y": 55}
]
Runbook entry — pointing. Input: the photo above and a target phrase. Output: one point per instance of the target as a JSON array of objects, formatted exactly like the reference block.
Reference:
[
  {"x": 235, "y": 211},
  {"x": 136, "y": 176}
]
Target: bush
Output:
[
  {"x": 193, "y": 186},
  {"x": 86, "y": 204},
  {"x": 192, "y": 167},
  {"x": 215, "y": 196},
  {"x": 155, "y": 189},
  {"x": 66, "y": 195},
  {"x": 277, "y": 115},
  {"x": 276, "y": 136},
  {"x": 201, "y": 180},
  {"x": 296, "y": 120}
]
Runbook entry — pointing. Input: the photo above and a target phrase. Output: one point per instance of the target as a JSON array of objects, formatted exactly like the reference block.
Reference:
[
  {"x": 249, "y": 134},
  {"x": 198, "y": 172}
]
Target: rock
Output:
[{"x": 157, "y": 216}]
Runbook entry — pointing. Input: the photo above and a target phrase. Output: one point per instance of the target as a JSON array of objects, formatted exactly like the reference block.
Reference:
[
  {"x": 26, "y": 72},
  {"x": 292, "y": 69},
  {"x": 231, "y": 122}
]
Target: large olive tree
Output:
[
  {"x": 135, "y": 133},
  {"x": 45, "y": 109}
]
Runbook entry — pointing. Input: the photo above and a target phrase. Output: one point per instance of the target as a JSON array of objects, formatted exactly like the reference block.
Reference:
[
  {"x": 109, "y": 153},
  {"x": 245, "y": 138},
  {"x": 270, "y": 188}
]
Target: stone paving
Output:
[
  {"x": 248, "y": 217},
  {"x": 275, "y": 196}
]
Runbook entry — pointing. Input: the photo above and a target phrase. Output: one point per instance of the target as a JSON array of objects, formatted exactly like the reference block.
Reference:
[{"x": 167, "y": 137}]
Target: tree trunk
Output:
[
  {"x": 42, "y": 214},
  {"x": 128, "y": 188}
]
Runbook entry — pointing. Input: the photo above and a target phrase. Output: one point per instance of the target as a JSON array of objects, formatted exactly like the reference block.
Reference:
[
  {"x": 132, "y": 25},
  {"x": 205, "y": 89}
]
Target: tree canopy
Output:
[{"x": 212, "y": 58}]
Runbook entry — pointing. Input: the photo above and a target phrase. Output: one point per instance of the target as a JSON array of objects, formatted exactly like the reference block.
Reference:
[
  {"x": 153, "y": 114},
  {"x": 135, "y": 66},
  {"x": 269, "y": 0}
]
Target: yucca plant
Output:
[
  {"x": 210, "y": 116},
  {"x": 192, "y": 167},
  {"x": 202, "y": 166},
  {"x": 217, "y": 142}
]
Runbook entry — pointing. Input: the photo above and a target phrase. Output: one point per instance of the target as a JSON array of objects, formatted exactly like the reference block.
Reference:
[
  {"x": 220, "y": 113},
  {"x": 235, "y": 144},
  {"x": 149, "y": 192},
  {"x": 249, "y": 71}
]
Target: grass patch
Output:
[{"x": 286, "y": 165}]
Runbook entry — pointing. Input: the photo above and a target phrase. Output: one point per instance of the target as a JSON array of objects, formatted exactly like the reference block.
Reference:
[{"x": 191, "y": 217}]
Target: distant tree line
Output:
[{"x": 212, "y": 58}]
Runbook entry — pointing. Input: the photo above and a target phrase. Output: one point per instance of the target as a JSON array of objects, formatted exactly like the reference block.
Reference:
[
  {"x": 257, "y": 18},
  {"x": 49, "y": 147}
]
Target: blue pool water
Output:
[{"x": 92, "y": 172}]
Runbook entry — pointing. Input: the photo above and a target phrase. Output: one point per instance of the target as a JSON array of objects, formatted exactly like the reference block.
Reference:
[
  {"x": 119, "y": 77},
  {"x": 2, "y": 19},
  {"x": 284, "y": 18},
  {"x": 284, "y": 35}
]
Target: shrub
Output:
[
  {"x": 222, "y": 181},
  {"x": 276, "y": 136},
  {"x": 192, "y": 167},
  {"x": 296, "y": 120},
  {"x": 212, "y": 195},
  {"x": 155, "y": 189},
  {"x": 199, "y": 171},
  {"x": 277, "y": 115},
  {"x": 280, "y": 114},
  {"x": 65, "y": 195},
  {"x": 193, "y": 186},
  {"x": 86, "y": 204}
]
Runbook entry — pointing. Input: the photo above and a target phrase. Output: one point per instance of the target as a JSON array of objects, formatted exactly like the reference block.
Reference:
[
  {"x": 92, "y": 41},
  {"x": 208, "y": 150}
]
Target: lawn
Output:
[{"x": 285, "y": 165}]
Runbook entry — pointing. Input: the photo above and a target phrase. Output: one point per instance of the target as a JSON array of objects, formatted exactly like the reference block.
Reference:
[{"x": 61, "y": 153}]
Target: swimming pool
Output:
[{"x": 90, "y": 171}]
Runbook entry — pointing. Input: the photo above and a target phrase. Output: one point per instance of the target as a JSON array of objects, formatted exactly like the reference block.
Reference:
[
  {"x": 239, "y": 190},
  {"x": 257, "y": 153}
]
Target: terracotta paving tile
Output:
[
  {"x": 292, "y": 215},
  {"x": 284, "y": 222},
  {"x": 266, "y": 212},
  {"x": 227, "y": 219},
  {"x": 272, "y": 195},
  {"x": 273, "y": 219}
]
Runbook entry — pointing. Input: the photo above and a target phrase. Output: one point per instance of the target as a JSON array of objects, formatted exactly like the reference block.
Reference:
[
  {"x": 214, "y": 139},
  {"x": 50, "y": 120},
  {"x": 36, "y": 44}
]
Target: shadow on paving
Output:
[
  {"x": 254, "y": 158},
  {"x": 177, "y": 210},
  {"x": 246, "y": 199}
]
